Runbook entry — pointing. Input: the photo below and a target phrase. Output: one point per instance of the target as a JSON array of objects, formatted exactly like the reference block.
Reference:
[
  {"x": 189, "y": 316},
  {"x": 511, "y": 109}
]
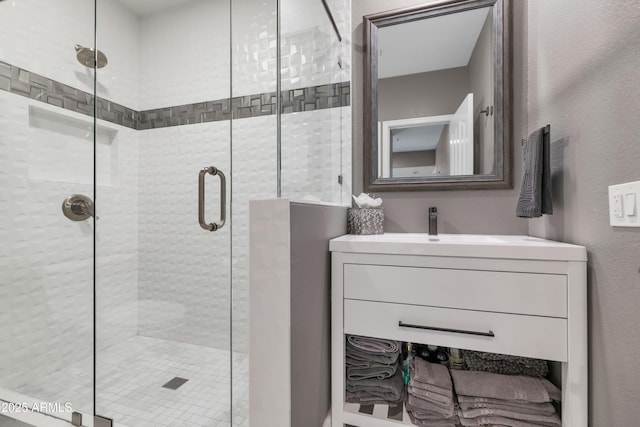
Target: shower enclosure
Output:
[{"x": 133, "y": 134}]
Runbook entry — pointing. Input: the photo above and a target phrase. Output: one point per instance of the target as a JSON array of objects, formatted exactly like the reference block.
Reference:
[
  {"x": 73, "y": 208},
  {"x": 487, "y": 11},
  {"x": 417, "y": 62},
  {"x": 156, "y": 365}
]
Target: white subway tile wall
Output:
[
  {"x": 316, "y": 152},
  {"x": 183, "y": 276},
  {"x": 310, "y": 49},
  {"x": 46, "y": 260},
  {"x": 40, "y": 36},
  {"x": 312, "y": 155},
  {"x": 254, "y": 54},
  {"x": 184, "y": 54},
  {"x": 119, "y": 37}
]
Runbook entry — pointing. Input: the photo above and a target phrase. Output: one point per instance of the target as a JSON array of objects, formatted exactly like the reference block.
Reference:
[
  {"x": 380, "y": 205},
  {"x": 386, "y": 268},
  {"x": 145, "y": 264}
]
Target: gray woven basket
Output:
[{"x": 504, "y": 364}]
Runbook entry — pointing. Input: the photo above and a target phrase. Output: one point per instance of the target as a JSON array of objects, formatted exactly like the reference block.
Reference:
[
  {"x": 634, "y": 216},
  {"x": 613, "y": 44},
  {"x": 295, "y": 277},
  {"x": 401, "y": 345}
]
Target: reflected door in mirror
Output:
[{"x": 428, "y": 146}]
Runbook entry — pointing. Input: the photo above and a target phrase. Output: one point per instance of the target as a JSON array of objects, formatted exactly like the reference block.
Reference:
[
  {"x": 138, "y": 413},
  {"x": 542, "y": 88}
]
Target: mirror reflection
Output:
[{"x": 435, "y": 85}]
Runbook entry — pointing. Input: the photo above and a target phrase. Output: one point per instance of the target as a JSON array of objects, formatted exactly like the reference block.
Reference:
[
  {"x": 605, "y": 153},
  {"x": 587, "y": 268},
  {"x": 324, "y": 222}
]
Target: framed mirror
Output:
[{"x": 437, "y": 97}]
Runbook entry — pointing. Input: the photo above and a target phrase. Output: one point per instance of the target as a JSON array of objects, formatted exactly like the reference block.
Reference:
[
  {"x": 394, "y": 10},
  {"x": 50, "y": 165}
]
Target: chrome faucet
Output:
[{"x": 433, "y": 221}]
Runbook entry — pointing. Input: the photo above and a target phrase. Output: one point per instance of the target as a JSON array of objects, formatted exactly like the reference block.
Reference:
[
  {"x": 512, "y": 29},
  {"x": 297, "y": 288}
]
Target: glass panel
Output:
[
  {"x": 162, "y": 282},
  {"x": 254, "y": 160},
  {"x": 46, "y": 260},
  {"x": 316, "y": 131}
]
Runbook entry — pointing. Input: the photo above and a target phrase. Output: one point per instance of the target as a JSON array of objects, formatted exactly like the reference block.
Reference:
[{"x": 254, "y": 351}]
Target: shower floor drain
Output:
[{"x": 175, "y": 383}]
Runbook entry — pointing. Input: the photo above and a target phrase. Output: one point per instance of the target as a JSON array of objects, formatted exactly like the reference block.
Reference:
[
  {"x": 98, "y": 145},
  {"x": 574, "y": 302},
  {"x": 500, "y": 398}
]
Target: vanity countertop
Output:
[{"x": 460, "y": 245}]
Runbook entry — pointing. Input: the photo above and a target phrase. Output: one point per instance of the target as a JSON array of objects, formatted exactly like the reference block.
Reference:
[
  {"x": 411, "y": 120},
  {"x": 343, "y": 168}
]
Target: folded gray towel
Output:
[
  {"x": 376, "y": 370},
  {"x": 430, "y": 416},
  {"x": 535, "y": 192},
  {"x": 497, "y": 386},
  {"x": 389, "y": 390},
  {"x": 431, "y": 373},
  {"x": 448, "y": 392},
  {"x": 501, "y": 422},
  {"x": 373, "y": 345},
  {"x": 428, "y": 422},
  {"x": 364, "y": 398},
  {"x": 554, "y": 392},
  {"x": 496, "y": 412},
  {"x": 367, "y": 357},
  {"x": 359, "y": 363},
  {"x": 362, "y": 361},
  {"x": 487, "y": 400},
  {"x": 509, "y": 405},
  {"x": 417, "y": 404},
  {"x": 430, "y": 395}
]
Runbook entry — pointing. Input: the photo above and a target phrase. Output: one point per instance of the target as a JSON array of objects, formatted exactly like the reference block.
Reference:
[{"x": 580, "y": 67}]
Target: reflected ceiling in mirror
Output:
[
  {"x": 437, "y": 78},
  {"x": 439, "y": 43}
]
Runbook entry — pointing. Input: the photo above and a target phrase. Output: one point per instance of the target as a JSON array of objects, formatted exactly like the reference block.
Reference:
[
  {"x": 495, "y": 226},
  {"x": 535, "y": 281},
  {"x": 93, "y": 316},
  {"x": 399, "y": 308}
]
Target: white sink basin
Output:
[{"x": 464, "y": 245}]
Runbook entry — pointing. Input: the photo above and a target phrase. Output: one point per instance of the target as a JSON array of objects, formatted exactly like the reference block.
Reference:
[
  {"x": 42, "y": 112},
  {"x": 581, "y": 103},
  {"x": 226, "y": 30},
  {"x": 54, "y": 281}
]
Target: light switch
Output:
[
  {"x": 617, "y": 205},
  {"x": 623, "y": 209},
  {"x": 630, "y": 204}
]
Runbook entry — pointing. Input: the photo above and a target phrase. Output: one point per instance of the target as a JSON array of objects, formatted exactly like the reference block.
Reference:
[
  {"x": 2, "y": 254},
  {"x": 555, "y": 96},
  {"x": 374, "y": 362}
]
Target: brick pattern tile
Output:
[{"x": 316, "y": 97}]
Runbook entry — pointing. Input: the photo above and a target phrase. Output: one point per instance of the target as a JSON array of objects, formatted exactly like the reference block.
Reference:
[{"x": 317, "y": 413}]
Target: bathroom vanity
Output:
[{"x": 514, "y": 295}]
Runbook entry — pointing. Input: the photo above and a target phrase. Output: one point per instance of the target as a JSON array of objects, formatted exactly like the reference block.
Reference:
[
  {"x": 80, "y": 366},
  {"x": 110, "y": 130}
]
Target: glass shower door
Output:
[
  {"x": 46, "y": 255},
  {"x": 254, "y": 128},
  {"x": 163, "y": 247}
]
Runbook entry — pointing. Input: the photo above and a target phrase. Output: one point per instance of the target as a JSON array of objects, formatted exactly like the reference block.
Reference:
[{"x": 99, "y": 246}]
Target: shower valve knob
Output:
[{"x": 77, "y": 207}]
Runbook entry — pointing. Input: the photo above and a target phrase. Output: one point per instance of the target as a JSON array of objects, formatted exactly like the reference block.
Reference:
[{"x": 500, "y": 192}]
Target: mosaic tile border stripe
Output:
[
  {"x": 31, "y": 85},
  {"x": 22, "y": 82}
]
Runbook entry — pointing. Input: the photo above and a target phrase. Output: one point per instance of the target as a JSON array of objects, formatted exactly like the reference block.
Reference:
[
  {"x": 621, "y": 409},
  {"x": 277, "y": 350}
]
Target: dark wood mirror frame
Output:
[{"x": 503, "y": 133}]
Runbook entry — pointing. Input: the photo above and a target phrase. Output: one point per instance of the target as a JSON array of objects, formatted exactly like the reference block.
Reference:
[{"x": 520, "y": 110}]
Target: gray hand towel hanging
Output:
[{"x": 535, "y": 192}]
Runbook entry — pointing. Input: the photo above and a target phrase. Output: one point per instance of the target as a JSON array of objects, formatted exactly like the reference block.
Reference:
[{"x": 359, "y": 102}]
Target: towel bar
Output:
[{"x": 547, "y": 129}]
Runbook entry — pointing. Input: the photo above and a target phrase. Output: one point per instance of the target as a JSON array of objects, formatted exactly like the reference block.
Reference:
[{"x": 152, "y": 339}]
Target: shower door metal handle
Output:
[{"x": 223, "y": 198}]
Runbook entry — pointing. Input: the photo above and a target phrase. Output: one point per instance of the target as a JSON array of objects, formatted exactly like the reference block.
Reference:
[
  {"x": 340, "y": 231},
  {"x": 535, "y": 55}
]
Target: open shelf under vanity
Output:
[{"x": 395, "y": 414}]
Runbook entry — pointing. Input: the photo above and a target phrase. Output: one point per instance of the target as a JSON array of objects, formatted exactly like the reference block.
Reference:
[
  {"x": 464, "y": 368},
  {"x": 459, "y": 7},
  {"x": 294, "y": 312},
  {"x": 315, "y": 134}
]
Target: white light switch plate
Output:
[{"x": 623, "y": 200}]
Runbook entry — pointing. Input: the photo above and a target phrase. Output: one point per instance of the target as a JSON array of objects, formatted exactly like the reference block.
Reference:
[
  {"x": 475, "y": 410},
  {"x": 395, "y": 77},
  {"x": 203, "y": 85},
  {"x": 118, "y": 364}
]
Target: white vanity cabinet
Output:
[{"x": 514, "y": 295}]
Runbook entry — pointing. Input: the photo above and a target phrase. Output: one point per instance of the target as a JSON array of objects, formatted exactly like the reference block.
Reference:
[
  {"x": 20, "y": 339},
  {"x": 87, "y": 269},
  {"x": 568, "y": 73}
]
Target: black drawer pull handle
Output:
[{"x": 457, "y": 331}]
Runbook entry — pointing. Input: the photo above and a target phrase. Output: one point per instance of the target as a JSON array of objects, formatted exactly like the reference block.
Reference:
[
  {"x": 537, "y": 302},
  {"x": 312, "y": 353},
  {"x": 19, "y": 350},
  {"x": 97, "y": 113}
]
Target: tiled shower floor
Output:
[{"x": 130, "y": 376}]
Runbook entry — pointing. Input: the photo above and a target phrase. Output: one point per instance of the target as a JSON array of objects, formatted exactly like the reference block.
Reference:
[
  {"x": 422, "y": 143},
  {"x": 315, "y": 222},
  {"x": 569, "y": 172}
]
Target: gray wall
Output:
[
  {"x": 583, "y": 62},
  {"x": 423, "y": 94},
  {"x": 487, "y": 211},
  {"x": 481, "y": 85},
  {"x": 311, "y": 228}
]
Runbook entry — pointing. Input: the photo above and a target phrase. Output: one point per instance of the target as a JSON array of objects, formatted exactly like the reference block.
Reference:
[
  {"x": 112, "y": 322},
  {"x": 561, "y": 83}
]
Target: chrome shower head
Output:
[{"x": 86, "y": 56}]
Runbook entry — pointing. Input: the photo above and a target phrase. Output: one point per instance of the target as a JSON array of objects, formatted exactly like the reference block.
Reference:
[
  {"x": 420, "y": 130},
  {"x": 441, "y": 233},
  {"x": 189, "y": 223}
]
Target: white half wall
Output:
[{"x": 290, "y": 281}]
